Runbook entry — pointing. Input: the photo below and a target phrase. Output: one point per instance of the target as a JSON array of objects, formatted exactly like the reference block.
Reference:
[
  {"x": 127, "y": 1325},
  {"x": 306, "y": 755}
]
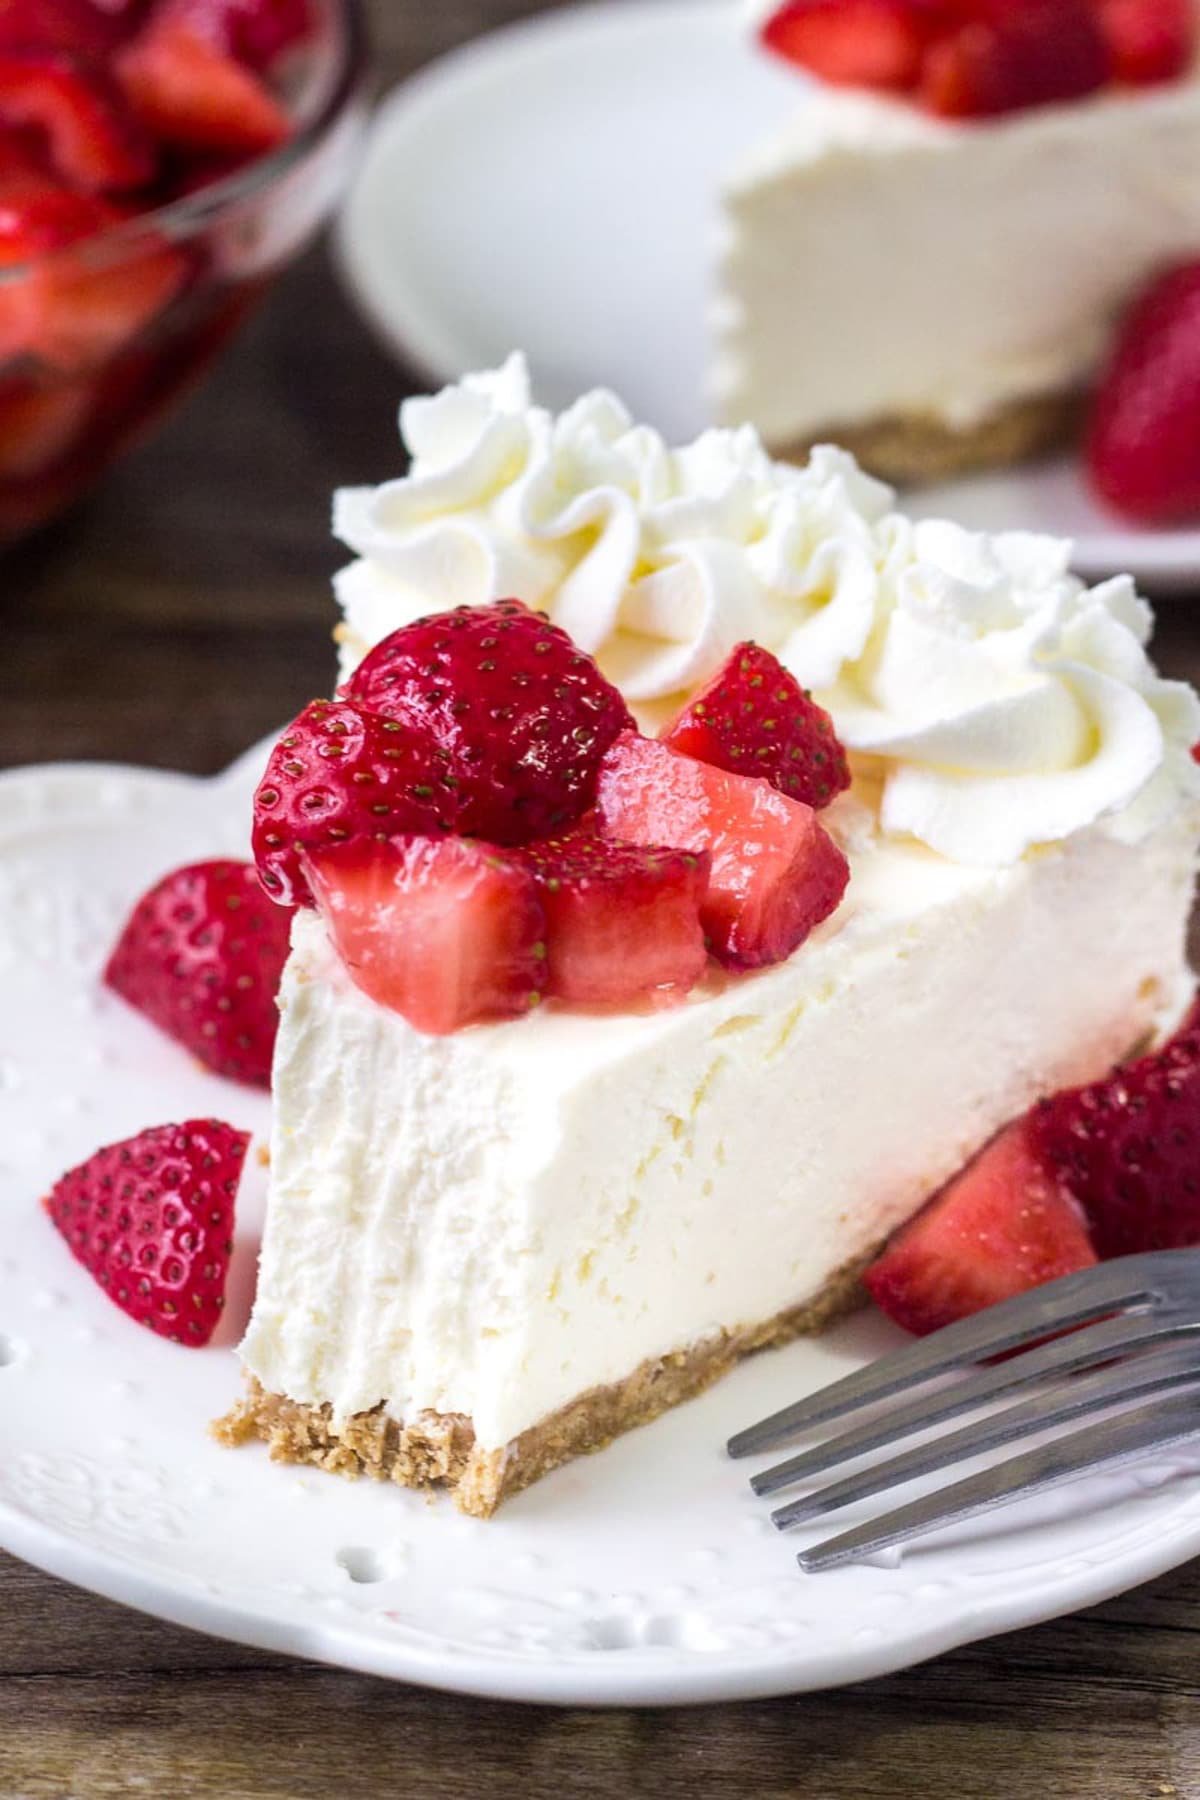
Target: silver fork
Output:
[{"x": 1133, "y": 1334}]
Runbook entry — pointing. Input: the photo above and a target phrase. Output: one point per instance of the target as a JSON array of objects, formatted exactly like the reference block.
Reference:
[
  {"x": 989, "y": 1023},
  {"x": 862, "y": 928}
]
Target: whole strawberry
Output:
[
  {"x": 754, "y": 718},
  {"x": 1143, "y": 448},
  {"x": 1128, "y": 1148},
  {"x": 340, "y": 772},
  {"x": 525, "y": 715},
  {"x": 201, "y": 955},
  {"x": 152, "y": 1219}
]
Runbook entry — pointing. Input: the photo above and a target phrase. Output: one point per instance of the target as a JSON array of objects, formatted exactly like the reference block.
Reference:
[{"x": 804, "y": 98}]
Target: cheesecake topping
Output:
[{"x": 1001, "y": 703}]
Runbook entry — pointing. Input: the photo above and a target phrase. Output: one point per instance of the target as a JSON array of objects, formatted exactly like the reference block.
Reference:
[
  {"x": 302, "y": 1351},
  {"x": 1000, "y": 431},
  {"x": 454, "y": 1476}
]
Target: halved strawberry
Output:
[
  {"x": 201, "y": 955},
  {"x": 189, "y": 93},
  {"x": 152, "y": 1219},
  {"x": 524, "y": 713},
  {"x": 775, "y": 872},
  {"x": 1008, "y": 55},
  {"x": 855, "y": 43},
  {"x": 256, "y": 32},
  {"x": 1149, "y": 40},
  {"x": 622, "y": 920},
  {"x": 1143, "y": 443},
  {"x": 94, "y": 141},
  {"x": 447, "y": 932},
  {"x": 1001, "y": 1227},
  {"x": 754, "y": 718},
  {"x": 1128, "y": 1148},
  {"x": 340, "y": 773}
]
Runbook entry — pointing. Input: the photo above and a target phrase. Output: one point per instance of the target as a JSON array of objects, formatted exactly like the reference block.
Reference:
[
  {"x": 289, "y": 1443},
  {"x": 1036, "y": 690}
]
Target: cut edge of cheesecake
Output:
[
  {"x": 917, "y": 449},
  {"x": 440, "y": 1450}
]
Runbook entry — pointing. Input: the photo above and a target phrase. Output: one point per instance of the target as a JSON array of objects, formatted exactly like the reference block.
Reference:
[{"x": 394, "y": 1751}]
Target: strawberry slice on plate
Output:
[
  {"x": 201, "y": 956},
  {"x": 151, "y": 1219},
  {"x": 339, "y": 773},
  {"x": 1128, "y": 1148},
  {"x": 1149, "y": 40},
  {"x": 1143, "y": 444},
  {"x": 525, "y": 714},
  {"x": 622, "y": 920},
  {"x": 855, "y": 43},
  {"x": 446, "y": 931},
  {"x": 775, "y": 874},
  {"x": 754, "y": 718},
  {"x": 190, "y": 93},
  {"x": 1003, "y": 1226},
  {"x": 94, "y": 141}
]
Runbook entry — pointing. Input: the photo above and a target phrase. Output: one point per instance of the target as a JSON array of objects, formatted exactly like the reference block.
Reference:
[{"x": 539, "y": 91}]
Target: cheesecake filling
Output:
[{"x": 878, "y": 264}]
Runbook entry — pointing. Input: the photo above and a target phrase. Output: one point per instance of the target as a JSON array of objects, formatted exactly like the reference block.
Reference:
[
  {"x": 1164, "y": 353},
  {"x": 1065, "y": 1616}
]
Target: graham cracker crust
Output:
[
  {"x": 913, "y": 449},
  {"x": 438, "y": 1450}
]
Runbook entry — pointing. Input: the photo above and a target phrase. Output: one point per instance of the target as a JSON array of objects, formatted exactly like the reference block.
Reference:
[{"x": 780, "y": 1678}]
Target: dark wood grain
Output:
[{"x": 181, "y": 613}]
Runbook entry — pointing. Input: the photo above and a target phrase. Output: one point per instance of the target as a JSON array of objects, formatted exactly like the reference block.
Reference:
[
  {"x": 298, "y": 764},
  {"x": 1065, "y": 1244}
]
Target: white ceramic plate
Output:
[
  {"x": 647, "y": 1575},
  {"x": 552, "y": 187}
]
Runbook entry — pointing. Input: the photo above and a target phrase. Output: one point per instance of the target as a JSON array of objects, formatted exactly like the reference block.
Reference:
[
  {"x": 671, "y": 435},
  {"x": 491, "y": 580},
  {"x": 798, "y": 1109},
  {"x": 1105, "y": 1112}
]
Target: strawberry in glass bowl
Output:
[{"x": 160, "y": 162}]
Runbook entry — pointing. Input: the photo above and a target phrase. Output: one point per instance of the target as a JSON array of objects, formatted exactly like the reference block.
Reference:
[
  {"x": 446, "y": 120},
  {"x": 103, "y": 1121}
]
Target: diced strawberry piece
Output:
[
  {"x": 622, "y": 920},
  {"x": 1000, "y": 1228},
  {"x": 39, "y": 425},
  {"x": 1128, "y": 1148},
  {"x": 1149, "y": 40},
  {"x": 94, "y": 141},
  {"x": 340, "y": 773},
  {"x": 448, "y": 932},
  {"x": 855, "y": 43},
  {"x": 193, "y": 95},
  {"x": 775, "y": 873},
  {"x": 152, "y": 1219},
  {"x": 75, "y": 25},
  {"x": 1143, "y": 443},
  {"x": 525, "y": 714},
  {"x": 1013, "y": 54},
  {"x": 256, "y": 32},
  {"x": 754, "y": 718},
  {"x": 201, "y": 955}
]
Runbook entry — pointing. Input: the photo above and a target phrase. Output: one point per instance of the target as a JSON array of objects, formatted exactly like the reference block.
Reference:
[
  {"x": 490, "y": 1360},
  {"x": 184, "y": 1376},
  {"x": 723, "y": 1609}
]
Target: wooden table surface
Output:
[{"x": 178, "y": 616}]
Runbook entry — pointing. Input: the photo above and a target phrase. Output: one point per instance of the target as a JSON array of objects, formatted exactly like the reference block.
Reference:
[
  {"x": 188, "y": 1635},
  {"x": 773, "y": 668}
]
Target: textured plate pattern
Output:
[{"x": 645, "y": 1575}]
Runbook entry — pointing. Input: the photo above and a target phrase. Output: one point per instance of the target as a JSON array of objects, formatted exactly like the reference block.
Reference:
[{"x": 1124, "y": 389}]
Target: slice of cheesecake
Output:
[
  {"x": 491, "y": 1248},
  {"x": 938, "y": 294}
]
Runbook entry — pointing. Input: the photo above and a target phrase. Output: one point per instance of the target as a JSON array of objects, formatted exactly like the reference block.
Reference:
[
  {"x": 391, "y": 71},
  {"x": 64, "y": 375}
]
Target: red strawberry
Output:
[
  {"x": 622, "y": 920},
  {"x": 524, "y": 713},
  {"x": 94, "y": 141},
  {"x": 339, "y": 773},
  {"x": 1012, "y": 54},
  {"x": 855, "y": 43},
  {"x": 1149, "y": 40},
  {"x": 1001, "y": 1227},
  {"x": 446, "y": 931},
  {"x": 253, "y": 31},
  {"x": 775, "y": 873},
  {"x": 755, "y": 719},
  {"x": 193, "y": 95},
  {"x": 201, "y": 955},
  {"x": 1128, "y": 1148},
  {"x": 74, "y": 25},
  {"x": 152, "y": 1220},
  {"x": 1143, "y": 447},
  {"x": 39, "y": 425}
]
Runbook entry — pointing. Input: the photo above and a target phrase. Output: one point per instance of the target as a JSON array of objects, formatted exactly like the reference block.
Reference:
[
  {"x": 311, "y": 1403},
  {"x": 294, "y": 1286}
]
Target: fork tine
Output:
[
  {"x": 1110, "y": 1442},
  {"x": 1128, "y": 1282},
  {"x": 1159, "y": 1373},
  {"x": 1081, "y": 1349}
]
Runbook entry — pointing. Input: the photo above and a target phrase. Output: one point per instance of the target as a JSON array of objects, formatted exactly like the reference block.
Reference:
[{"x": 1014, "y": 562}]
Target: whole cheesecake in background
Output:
[
  {"x": 938, "y": 292},
  {"x": 494, "y": 1248}
]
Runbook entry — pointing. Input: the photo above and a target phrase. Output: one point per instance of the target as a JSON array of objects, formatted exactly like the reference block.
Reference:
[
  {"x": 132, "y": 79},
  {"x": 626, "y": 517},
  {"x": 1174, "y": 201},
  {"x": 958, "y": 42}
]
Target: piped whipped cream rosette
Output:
[{"x": 1001, "y": 703}]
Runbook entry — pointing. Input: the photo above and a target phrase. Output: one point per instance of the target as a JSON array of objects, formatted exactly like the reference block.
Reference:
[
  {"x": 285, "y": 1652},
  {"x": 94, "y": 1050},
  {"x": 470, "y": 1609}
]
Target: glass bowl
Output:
[{"x": 130, "y": 317}]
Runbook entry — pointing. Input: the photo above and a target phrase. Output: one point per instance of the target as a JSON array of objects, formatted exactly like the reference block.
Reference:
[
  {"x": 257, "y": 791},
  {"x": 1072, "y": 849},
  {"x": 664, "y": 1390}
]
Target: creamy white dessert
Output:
[
  {"x": 487, "y": 1252},
  {"x": 935, "y": 294}
]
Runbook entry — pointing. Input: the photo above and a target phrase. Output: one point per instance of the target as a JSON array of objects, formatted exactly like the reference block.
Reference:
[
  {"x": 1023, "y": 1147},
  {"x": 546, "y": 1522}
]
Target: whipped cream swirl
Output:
[{"x": 1001, "y": 703}]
